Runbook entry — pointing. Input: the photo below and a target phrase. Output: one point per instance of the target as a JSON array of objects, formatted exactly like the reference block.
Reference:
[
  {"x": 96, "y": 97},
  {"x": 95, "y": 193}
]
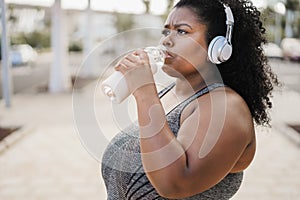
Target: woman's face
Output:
[{"x": 184, "y": 38}]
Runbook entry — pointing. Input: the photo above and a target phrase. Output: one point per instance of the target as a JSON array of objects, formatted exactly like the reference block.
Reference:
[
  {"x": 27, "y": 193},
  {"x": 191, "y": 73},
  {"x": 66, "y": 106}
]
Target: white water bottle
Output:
[{"x": 115, "y": 86}]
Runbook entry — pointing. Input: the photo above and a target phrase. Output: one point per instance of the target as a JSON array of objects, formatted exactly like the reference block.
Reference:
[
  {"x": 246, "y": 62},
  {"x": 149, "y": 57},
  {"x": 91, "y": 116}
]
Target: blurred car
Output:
[
  {"x": 22, "y": 54},
  {"x": 272, "y": 50},
  {"x": 291, "y": 48}
]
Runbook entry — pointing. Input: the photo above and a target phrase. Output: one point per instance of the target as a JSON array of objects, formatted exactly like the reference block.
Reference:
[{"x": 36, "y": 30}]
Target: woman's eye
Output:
[
  {"x": 181, "y": 32},
  {"x": 166, "y": 32}
]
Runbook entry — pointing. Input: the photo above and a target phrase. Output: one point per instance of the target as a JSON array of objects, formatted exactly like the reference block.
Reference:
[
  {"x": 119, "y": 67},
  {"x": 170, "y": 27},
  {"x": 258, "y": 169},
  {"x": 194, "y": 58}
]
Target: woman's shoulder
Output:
[
  {"x": 237, "y": 105},
  {"x": 228, "y": 97},
  {"x": 230, "y": 105},
  {"x": 227, "y": 106},
  {"x": 221, "y": 101}
]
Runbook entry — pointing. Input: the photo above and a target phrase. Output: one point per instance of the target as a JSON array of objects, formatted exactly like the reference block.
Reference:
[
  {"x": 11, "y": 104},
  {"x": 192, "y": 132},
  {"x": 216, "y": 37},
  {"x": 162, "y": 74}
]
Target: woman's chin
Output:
[
  {"x": 170, "y": 71},
  {"x": 166, "y": 69}
]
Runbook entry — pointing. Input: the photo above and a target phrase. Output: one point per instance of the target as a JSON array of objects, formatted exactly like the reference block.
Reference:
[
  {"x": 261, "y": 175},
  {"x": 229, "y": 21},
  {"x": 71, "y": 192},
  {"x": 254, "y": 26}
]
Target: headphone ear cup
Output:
[
  {"x": 226, "y": 51},
  {"x": 219, "y": 50},
  {"x": 213, "y": 47}
]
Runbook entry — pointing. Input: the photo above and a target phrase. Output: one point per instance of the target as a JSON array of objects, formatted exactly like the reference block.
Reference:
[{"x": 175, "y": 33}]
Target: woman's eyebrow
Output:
[{"x": 178, "y": 25}]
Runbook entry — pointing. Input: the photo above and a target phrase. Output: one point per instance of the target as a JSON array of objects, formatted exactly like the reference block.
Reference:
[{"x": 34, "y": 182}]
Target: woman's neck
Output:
[
  {"x": 189, "y": 84},
  {"x": 187, "y": 87}
]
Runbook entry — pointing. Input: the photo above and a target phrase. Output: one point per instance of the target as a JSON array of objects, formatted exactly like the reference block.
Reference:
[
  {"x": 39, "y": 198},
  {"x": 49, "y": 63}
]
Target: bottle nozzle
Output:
[{"x": 108, "y": 91}]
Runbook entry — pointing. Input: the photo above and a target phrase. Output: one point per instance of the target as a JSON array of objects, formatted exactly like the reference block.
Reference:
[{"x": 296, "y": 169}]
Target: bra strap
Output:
[
  {"x": 201, "y": 92},
  {"x": 166, "y": 90}
]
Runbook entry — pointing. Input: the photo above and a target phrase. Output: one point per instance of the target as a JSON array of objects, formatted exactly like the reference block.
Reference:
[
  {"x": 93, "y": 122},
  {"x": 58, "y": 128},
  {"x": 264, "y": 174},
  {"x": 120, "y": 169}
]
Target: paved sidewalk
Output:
[
  {"x": 275, "y": 171},
  {"x": 45, "y": 159},
  {"x": 48, "y": 160}
]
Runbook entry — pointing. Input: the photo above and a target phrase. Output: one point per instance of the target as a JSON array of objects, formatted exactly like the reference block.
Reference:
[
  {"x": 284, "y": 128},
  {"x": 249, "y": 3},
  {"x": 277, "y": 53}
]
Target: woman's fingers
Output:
[
  {"x": 136, "y": 70},
  {"x": 134, "y": 60},
  {"x": 142, "y": 55},
  {"x": 130, "y": 63}
]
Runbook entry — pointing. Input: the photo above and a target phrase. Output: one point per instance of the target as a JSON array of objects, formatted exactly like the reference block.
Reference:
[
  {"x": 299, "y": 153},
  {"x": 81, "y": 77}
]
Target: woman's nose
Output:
[{"x": 167, "y": 41}]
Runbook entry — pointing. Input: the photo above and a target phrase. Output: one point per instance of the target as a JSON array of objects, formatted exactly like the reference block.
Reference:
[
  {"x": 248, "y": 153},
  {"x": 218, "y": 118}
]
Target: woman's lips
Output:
[{"x": 169, "y": 55}]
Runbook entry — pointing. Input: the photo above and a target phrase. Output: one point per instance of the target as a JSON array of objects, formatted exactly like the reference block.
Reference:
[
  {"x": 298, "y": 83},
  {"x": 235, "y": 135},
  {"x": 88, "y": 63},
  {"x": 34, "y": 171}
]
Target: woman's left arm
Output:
[{"x": 208, "y": 145}]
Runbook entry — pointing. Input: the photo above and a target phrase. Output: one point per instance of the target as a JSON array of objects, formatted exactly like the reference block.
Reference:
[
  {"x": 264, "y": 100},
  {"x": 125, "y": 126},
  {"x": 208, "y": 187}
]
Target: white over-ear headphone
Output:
[{"x": 220, "y": 48}]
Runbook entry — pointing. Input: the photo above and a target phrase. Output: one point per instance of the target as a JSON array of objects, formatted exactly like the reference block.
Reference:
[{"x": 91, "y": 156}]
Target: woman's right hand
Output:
[{"x": 137, "y": 71}]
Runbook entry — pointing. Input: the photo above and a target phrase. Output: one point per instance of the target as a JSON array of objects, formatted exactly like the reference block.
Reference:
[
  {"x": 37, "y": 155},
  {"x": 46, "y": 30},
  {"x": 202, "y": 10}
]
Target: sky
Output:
[{"x": 127, "y": 6}]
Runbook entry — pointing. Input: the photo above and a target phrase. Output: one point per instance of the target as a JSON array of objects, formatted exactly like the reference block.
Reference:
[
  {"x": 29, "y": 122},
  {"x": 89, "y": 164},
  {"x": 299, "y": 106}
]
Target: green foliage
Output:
[
  {"x": 75, "y": 46},
  {"x": 123, "y": 22},
  {"x": 36, "y": 39},
  {"x": 292, "y": 5},
  {"x": 169, "y": 8},
  {"x": 298, "y": 27},
  {"x": 268, "y": 16}
]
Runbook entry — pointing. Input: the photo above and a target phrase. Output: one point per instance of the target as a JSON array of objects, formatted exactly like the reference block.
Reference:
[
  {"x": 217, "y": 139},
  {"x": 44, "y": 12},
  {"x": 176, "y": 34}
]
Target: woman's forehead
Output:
[{"x": 180, "y": 15}]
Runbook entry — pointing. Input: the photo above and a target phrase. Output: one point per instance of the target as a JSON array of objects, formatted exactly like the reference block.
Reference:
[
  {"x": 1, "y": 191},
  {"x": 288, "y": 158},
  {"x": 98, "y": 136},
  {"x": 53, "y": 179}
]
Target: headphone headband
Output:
[
  {"x": 229, "y": 15},
  {"x": 229, "y": 22},
  {"x": 220, "y": 48}
]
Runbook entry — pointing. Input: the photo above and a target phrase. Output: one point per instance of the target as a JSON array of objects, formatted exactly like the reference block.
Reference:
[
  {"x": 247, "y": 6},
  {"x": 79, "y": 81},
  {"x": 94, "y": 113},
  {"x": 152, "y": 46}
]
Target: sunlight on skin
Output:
[
  {"x": 157, "y": 160},
  {"x": 156, "y": 124},
  {"x": 216, "y": 123}
]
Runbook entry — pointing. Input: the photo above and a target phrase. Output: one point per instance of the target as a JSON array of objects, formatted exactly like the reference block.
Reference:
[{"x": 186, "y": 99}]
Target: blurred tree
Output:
[
  {"x": 75, "y": 46},
  {"x": 170, "y": 5},
  {"x": 292, "y": 6},
  {"x": 169, "y": 8},
  {"x": 297, "y": 27},
  {"x": 123, "y": 22},
  {"x": 268, "y": 18},
  {"x": 12, "y": 18},
  {"x": 147, "y": 5},
  {"x": 289, "y": 23},
  {"x": 36, "y": 39}
]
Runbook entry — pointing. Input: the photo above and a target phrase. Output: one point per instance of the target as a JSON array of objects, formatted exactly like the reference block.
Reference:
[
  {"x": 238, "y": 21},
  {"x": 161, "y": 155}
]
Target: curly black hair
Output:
[{"x": 247, "y": 71}]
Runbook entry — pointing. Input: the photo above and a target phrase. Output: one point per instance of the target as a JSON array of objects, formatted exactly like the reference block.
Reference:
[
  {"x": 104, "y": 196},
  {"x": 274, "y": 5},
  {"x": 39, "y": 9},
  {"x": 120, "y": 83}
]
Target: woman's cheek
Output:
[{"x": 191, "y": 51}]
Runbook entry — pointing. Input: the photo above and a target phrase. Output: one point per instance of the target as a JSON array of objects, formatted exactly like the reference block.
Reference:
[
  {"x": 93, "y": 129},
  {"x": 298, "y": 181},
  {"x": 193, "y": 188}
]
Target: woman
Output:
[{"x": 195, "y": 138}]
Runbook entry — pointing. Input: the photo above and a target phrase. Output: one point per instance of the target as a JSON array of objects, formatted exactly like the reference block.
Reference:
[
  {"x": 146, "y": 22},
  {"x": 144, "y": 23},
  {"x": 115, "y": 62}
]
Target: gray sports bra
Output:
[{"x": 122, "y": 168}]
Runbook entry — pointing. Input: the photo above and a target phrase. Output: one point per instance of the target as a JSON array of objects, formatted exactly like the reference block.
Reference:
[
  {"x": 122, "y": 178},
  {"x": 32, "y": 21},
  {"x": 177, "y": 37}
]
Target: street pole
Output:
[
  {"x": 288, "y": 24},
  {"x": 278, "y": 28},
  {"x": 88, "y": 67},
  {"x": 280, "y": 10},
  {"x": 6, "y": 64},
  {"x": 59, "y": 72}
]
